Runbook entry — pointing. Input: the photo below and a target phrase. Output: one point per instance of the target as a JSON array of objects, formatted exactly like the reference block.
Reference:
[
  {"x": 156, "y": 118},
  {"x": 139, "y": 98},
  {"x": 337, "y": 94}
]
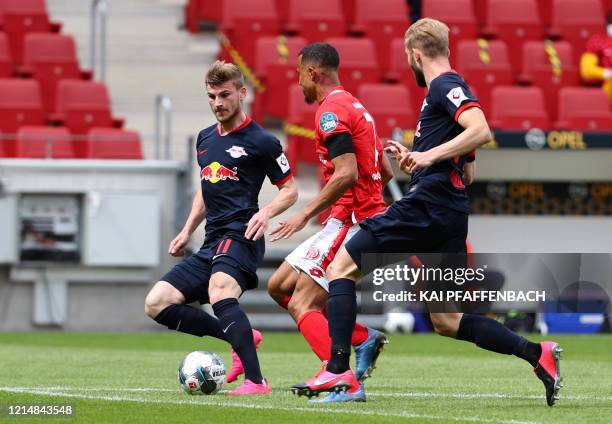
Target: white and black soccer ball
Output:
[
  {"x": 399, "y": 322},
  {"x": 201, "y": 373}
]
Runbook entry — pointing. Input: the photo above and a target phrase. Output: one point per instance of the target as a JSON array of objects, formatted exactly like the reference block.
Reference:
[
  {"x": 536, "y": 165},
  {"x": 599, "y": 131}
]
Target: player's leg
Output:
[
  {"x": 165, "y": 302},
  {"x": 282, "y": 284}
]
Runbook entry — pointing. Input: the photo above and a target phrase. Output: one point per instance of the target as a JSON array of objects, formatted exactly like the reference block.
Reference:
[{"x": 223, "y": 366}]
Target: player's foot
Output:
[
  {"x": 548, "y": 371},
  {"x": 354, "y": 395},
  {"x": 325, "y": 381},
  {"x": 367, "y": 353},
  {"x": 237, "y": 368},
  {"x": 250, "y": 388}
]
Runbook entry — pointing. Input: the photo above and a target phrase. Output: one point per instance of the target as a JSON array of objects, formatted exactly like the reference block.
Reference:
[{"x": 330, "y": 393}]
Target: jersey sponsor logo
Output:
[
  {"x": 328, "y": 122},
  {"x": 376, "y": 176},
  {"x": 456, "y": 95},
  {"x": 312, "y": 253},
  {"x": 236, "y": 152},
  {"x": 283, "y": 163},
  {"x": 417, "y": 131},
  {"x": 215, "y": 172}
]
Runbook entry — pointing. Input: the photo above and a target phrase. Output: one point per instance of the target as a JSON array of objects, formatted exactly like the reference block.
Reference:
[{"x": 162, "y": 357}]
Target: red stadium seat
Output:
[
  {"x": 316, "y": 20},
  {"x": 457, "y": 14},
  {"x": 244, "y": 21},
  {"x": 82, "y": 105},
  {"x": 518, "y": 108},
  {"x": 575, "y": 21},
  {"x": 202, "y": 10},
  {"x": 20, "y": 17},
  {"x": 299, "y": 147},
  {"x": 358, "y": 64},
  {"x": 381, "y": 21},
  {"x": 582, "y": 108},
  {"x": 276, "y": 69},
  {"x": 540, "y": 68},
  {"x": 399, "y": 71},
  {"x": 113, "y": 143},
  {"x": 389, "y": 105},
  {"x": 20, "y": 104},
  {"x": 514, "y": 22},
  {"x": 484, "y": 65},
  {"x": 45, "y": 142},
  {"x": 6, "y": 63},
  {"x": 50, "y": 58}
]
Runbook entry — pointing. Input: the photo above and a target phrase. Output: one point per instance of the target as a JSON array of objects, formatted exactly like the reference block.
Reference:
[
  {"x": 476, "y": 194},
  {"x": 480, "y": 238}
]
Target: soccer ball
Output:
[
  {"x": 399, "y": 322},
  {"x": 201, "y": 373}
]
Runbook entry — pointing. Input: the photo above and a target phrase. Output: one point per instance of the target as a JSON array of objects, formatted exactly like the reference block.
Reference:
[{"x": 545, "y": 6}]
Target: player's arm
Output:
[
  {"x": 469, "y": 172},
  {"x": 475, "y": 135},
  {"x": 285, "y": 198},
  {"x": 386, "y": 170},
  {"x": 195, "y": 218},
  {"x": 342, "y": 155}
]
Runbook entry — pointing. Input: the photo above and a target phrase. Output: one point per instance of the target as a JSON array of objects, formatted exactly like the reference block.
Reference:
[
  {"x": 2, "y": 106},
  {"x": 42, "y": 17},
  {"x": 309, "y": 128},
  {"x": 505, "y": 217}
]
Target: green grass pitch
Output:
[{"x": 131, "y": 378}]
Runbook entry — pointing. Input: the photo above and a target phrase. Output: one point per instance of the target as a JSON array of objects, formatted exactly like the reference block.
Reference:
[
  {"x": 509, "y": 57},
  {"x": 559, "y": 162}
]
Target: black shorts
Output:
[
  {"x": 229, "y": 253},
  {"x": 411, "y": 226}
]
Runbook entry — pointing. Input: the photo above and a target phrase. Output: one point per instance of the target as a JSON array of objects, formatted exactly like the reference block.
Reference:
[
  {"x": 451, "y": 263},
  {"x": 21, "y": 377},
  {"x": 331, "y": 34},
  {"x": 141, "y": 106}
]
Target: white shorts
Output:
[{"x": 316, "y": 253}]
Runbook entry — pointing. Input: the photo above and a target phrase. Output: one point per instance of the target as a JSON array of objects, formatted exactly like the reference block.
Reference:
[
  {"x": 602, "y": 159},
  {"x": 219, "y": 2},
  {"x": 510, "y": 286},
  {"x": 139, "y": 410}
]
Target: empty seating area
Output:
[
  {"x": 521, "y": 57},
  {"x": 49, "y": 106}
]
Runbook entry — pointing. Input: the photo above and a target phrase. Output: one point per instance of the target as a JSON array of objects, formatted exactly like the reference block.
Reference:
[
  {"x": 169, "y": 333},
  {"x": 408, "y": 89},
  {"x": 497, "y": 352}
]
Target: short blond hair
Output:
[
  {"x": 221, "y": 72},
  {"x": 428, "y": 35}
]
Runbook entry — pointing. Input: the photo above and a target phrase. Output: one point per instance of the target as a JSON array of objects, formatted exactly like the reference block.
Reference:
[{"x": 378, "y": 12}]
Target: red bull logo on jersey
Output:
[{"x": 215, "y": 172}]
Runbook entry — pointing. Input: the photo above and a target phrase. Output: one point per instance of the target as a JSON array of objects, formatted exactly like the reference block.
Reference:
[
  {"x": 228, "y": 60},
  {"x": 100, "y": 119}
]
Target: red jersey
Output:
[
  {"x": 601, "y": 46},
  {"x": 340, "y": 112}
]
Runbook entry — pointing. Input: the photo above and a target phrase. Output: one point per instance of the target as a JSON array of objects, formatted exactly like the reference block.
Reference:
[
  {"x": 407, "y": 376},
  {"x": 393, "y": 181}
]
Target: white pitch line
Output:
[
  {"x": 202, "y": 401},
  {"x": 373, "y": 393}
]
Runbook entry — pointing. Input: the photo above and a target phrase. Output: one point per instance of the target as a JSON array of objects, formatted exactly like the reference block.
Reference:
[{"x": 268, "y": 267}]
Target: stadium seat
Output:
[
  {"x": 202, "y": 10},
  {"x": 244, "y": 21},
  {"x": 549, "y": 67},
  {"x": 518, "y": 108},
  {"x": 275, "y": 67},
  {"x": 582, "y": 108},
  {"x": 300, "y": 148},
  {"x": 381, "y": 21},
  {"x": 575, "y": 21},
  {"x": 20, "y": 17},
  {"x": 45, "y": 142},
  {"x": 484, "y": 65},
  {"x": 112, "y": 143},
  {"x": 457, "y": 14},
  {"x": 358, "y": 62},
  {"x": 514, "y": 22},
  {"x": 50, "y": 58},
  {"x": 316, "y": 20},
  {"x": 82, "y": 105},
  {"x": 399, "y": 71},
  {"x": 389, "y": 105},
  {"x": 545, "y": 8},
  {"x": 20, "y": 104},
  {"x": 6, "y": 63}
]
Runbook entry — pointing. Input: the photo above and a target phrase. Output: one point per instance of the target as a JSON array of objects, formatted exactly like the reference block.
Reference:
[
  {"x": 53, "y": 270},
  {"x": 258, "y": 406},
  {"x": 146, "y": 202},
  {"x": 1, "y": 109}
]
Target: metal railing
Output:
[
  {"x": 99, "y": 12},
  {"x": 163, "y": 114}
]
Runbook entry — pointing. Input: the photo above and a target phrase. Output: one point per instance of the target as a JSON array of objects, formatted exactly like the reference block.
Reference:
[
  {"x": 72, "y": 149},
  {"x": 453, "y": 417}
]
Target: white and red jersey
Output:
[{"x": 340, "y": 112}]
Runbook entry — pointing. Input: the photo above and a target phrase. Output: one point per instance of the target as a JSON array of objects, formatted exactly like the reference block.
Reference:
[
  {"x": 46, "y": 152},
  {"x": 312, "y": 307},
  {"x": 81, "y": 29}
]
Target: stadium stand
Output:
[
  {"x": 400, "y": 72},
  {"x": 484, "y": 64},
  {"x": 112, "y": 143},
  {"x": 83, "y": 105},
  {"x": 6, "y": 62},
  {"x": 50, "y": 58},
  {"x": 202, "y": 10},
  {"x": 381, "y": 21},
  {"x": 390, "y": 104},
  {"x": 358, "y": 63},
  {"x": 45, "y": 142},
  {"x": 582, "y": 108},
  {"x": 20, "y": 104},
  {"x": 316, "y": 20},
  {"x": 300, "y": 131},
  {"x": 518, "y": 108},
  {"x": 457, "y": 14}
]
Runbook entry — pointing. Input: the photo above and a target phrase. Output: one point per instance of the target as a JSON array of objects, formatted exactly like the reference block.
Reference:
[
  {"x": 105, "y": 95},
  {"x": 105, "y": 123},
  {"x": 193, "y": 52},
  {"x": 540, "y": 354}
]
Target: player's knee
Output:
[
  {"x": 274, "y": 286},
  {"x": 222, "y": 286},
  {"x": 160, "y": 297},
  {"x": 153, "y": 304},
  {"x": 342, "y": 267},
  {"x": 444, "y": 326}
]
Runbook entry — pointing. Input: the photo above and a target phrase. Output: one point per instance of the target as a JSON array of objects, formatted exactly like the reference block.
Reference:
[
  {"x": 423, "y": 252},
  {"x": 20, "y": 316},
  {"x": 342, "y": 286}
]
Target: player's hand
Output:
[
  {"x": 414, "y": 161},
  {"x": 177, "y": 246},
  {"x": 289, "y": 227},
  {"x": 395, "y": 149},
  {"x": 257, "y": 226}
]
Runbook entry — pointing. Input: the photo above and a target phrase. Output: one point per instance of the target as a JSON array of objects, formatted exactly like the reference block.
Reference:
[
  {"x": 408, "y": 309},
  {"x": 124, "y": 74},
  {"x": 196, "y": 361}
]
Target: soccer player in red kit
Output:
[{"x": 355, "y": 171}]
